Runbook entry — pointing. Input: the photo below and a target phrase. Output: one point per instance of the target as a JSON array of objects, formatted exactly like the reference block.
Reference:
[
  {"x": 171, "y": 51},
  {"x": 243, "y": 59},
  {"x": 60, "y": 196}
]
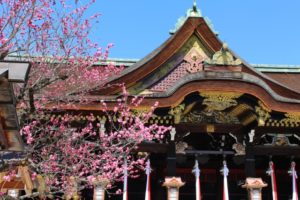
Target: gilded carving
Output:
[
  {"x": 224, "y": 57},
  {"x": 142, "y": 110},
  {"x": 211, "y": 116},
  {"x": 220, "y": 101},
  {"x": 248, "y": 119},
  {"x": 239, "y": 109},
  {"x": 195, "y": 44},
  {"x": 239, "y": 149},
  {"x": 282, "y": 139},
  {"x": 215, "y": 103},
  {"x": 177, "y": 113},
  {"x": 263, "y": 113},
  {"x": 181, "y": 147},
  {"x": 291, "y": 118},
  {"x": 210, "y": 128}
]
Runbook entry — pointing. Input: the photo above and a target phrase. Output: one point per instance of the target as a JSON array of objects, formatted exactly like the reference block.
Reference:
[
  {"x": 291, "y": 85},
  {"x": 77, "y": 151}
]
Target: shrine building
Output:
[{"x": 223, "y": 110}]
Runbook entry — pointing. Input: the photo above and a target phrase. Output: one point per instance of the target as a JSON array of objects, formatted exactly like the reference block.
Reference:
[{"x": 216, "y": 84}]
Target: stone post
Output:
[
  {"x": 173, "y": 184},
  {"x": 99, "y": 189},
  {"x": 254, "y": 187}
]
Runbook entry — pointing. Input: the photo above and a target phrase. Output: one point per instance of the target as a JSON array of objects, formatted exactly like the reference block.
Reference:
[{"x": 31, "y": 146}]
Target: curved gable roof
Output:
[{"x": 138, "y": 73}]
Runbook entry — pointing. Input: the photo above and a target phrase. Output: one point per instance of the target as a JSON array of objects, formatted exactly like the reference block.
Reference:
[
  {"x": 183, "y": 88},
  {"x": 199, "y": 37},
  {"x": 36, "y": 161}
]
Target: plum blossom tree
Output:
[
  {"x": 54, "y": 36},
  {"x": 71, "y": 154},
  {"x": 93, "y": 150}
]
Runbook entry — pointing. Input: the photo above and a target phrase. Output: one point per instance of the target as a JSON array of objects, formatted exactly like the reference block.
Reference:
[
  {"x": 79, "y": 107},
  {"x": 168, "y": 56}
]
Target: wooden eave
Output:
[
  {"x": 277, "y": 86},
  {"x": 288, "y": 79},
  {"x": 173, "y": 99}
]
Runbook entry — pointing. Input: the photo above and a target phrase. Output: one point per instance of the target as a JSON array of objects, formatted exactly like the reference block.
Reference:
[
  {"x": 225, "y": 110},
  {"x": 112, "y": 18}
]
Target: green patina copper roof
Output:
[
  {"x": 277, "y": 68},
  {"x": 260, "y": 67},
  {"x": 118, "y": 61},
  {"x": 273, "y": 68},
  {"x": 126, "y": 62}
]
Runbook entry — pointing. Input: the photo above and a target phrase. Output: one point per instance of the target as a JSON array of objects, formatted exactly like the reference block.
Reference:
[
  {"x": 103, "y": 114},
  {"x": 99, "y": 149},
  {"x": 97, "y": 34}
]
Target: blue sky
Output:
[{"x": 260, "y": 31}]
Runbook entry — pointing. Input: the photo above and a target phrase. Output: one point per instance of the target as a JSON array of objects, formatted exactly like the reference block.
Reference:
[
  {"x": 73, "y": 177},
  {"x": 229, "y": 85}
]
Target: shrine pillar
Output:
[
  {"x": 173, "y": 184},
  {"x": 254, "y": 187},
  {"x": 99, "y": 189},
  {"x": 250, "y": 161},
  {"x": 171, "y": 155}
]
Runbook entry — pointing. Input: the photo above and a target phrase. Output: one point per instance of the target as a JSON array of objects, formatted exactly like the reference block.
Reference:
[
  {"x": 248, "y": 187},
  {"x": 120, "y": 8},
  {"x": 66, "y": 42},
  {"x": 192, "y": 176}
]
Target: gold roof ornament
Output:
[{"x": 223, "y": 57}]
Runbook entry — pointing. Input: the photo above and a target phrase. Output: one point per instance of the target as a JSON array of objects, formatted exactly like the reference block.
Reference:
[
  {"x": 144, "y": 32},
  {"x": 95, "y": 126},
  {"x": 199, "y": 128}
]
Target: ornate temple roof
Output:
[
  {"x": 195, "y": 59},
  {"x": 197, "y": 78}
]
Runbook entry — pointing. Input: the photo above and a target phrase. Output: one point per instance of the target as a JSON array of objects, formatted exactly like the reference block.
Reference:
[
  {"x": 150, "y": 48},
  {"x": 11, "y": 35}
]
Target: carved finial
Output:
[
  {"x": 195, "y": 5},
  {"x": 191, "y": 12},
  {"x": 194, "y": 12},
  {"x": 225, "y": 46}
]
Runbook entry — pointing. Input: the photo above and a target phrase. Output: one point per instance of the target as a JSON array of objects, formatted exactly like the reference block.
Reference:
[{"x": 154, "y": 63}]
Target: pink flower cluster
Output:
[{"x": 90, "y": 150}]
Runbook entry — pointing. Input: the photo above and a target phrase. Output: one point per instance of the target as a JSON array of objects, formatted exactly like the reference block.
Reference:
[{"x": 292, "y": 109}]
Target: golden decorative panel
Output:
[
  {"x": 209, "y": 116},
  {"x": 220, "y": 101},
  {"x": 291, "y": 118}
]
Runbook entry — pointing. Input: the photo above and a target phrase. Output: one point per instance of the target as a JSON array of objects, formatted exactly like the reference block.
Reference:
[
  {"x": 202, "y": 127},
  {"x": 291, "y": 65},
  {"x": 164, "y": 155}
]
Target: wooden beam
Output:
[
  {"x": 271, "y": 129},
  {"x": 183, "y": 128},
  {"x": 152, "y": 147},
  {"x": 269, "y": 150}
]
